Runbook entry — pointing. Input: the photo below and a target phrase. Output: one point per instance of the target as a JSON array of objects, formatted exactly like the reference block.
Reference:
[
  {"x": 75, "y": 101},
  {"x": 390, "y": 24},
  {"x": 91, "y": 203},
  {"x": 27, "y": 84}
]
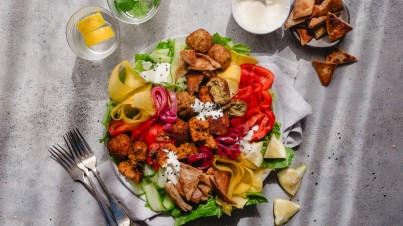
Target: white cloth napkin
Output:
[{"x": 294, "y": 108}]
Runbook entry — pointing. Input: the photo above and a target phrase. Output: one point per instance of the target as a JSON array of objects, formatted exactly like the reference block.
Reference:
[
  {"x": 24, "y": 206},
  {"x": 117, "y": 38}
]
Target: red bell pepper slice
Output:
[
  {"x": 255, "y": 119},
  {"x": 142, "y": 128},
  {"x": 117, "y": 127}
]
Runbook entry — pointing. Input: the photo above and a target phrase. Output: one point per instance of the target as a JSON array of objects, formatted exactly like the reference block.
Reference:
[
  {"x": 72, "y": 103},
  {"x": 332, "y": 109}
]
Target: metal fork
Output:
[
  {"x": 84, "y": 153},
  {"x": 64, "y": 159}
]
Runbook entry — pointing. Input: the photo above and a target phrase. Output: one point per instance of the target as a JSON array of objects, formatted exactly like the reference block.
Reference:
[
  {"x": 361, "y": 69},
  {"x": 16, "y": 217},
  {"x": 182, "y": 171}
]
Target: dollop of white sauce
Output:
[
  {"x": 172, "y": 167},
  {"x": 257, "y": 17},
  {"x": 207, "y": 109},
  {"x": 160, "y": 74},
  {"x": 245, "y": 142}
]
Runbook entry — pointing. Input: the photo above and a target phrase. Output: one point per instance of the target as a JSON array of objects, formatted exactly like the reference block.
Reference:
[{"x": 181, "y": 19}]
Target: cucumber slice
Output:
[
  {"x": 178, "y": 46},
  {"x": 148, "y": 171},
  {"x": 160, "y": 55},
  {"x": 153, "y": 197},
  {"x": 137, "y": 188},
  {"x": 159, "y": 179},
  {"x": 168, "y": 203}
]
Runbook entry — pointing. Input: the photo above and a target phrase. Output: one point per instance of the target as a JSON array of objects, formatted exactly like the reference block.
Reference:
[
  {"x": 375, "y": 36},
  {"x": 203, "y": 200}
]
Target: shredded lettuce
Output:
[
  {"x": 276, "y": 131},
  {"x": 228, "y": 44},
  {"x": 164, "y": 52},
  {"x": 205, "y": 210},
  {"x": 142, "y": 56},
  {"x": 255, "y": 198},
  {"x": 107, "y": 119},
  {"x": 278, "y": 163}
]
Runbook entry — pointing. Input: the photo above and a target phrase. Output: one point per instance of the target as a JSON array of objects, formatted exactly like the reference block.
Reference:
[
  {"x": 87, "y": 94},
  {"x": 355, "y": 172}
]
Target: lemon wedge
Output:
[
  {"x": 275, "y": 149},
  {"x": 242, "y": 59},
  {"x": 255, "y": 153},
  {"x": 290, "y": 178},
  {"x": 90, "y": 23},
  {"x": 284, "y": 210},
  {"x": 98, "y": 36}
]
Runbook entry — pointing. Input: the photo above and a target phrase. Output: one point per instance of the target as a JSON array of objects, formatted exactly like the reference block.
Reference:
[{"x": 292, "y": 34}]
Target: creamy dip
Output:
[
  {"x": 172, "y": 167},
  {"x": 257, "y": 17},
  {"x": 207, "y": 109}
]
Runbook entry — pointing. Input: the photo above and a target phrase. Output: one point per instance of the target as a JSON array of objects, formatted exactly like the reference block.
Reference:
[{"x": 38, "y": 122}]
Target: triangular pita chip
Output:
[
  {"x": 338, "y": 56},
  {"x": 317, "y": 21},
  {"x": 291, "y": 22},
  {"x": 303, "y": 8},
  {"x": 319, "y": 31},
  {"x": 318, "y": 2},
  {"x": 336, "y": 27},
  {"x": 189, "y": 179},
  {"x": 329, "y": 6},
  {"x": 324, "y": 70},
  {"x": 314, "y": 11},
  {"x": 304, "y": 36}
]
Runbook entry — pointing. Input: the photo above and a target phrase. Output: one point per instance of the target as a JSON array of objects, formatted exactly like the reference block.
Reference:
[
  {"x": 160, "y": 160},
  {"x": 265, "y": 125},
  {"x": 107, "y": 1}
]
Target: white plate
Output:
[
  {"x": 277, "y": 109},
  {"x": 324, "y": 42}
]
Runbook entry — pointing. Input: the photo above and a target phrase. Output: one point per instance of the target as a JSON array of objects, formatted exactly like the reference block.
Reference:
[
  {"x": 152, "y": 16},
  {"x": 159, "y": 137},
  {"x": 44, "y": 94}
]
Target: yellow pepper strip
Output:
[
  {"x": 244, "y": 179},
  {"x": 136, "y": 108},
  {"x": 118, "y": 91},
  {"x": 98, "y": 36},
  {"x": 90, "y": 23},
  {"x": 238, "y": 59},
  {"x": 233, "y": 76}
]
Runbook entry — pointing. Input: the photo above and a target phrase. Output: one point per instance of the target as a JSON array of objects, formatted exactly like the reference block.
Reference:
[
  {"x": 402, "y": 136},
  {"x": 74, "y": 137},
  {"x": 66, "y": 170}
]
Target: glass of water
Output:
[
  {"x": 76, "y": 41},
  {"x": 133, "y": 11}
]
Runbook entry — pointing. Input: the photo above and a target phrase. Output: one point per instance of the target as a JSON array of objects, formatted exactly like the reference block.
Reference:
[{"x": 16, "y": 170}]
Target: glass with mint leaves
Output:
[{"x": 133, "y": 11}]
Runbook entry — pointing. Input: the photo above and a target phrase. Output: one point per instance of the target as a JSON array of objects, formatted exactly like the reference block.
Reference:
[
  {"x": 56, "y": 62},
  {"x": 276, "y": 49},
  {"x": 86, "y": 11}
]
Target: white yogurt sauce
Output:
[
  {"x": 207, "y": 109},
  {"x": 256, "y": 17},
  {"x": 245, "y": 142},
  {"x": 160, "y": 74},
  {"x": 172, "y": 167}
]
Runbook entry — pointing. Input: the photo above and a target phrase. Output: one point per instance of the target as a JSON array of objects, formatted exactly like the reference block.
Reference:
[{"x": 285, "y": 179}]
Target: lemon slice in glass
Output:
[
  {"x": 284, "y": 210},
  {"x": 98, "y": 36},
  {"x": 90, "y": 23},
  {"x": 290, "y": 178},
  {"x": 275, "y": 149}
]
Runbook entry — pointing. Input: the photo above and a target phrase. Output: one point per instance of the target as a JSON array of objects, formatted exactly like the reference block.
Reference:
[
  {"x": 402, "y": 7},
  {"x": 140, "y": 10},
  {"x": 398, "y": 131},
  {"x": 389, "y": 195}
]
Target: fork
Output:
[
  {"x": 65, "y": 160},
  {"x": 85, "y": 155}
]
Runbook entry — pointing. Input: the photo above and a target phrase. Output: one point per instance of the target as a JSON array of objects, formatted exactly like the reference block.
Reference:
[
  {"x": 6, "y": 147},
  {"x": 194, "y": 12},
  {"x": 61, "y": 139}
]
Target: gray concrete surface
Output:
[{"x": 352, "y": 141}]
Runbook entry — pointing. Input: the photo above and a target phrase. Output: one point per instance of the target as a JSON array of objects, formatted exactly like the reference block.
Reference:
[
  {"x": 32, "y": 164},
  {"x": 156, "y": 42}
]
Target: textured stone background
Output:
[{"x": 352, "y": 141}]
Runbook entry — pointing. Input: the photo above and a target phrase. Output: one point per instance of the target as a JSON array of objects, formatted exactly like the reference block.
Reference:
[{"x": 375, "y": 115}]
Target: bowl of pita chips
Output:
[{"x": 319, "y": 23}]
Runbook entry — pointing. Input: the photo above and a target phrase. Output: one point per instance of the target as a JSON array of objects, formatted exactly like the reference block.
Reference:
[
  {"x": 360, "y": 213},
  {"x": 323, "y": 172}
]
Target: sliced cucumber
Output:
[
  {"x": 153, "y": 197},
  {"x": 161, "y": 55},
  {"x": 148, "y": 171},
  {"x": 159, "y": 179},
  {"x": 178, "y": 46},
  {"x": 137, "y": 188},
  {"x": 168, "y": 203}
]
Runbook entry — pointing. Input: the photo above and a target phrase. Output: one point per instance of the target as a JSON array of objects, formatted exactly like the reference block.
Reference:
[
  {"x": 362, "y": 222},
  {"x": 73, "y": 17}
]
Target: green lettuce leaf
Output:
[
  {"x": 228, "y": 44},
  {"x": 142, "y": 56},
  {"x": 206, "y": 210},
  {"x": 255, "y": 198},
  {"x": 278, "y": 163},
  {"x": 107, "y": 119},
  {"x": 276, "y": 131}
]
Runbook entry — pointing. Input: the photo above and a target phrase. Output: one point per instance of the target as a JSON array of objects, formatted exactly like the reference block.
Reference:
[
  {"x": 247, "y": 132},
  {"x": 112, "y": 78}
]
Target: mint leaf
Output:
[
  {"x": 255, "y": 198},
  {"x": 278, "y": 163},
  {"x": 124, "y": 5},
  {"x": 206, "y": 210},
  {"x": 140, "y": 9}
]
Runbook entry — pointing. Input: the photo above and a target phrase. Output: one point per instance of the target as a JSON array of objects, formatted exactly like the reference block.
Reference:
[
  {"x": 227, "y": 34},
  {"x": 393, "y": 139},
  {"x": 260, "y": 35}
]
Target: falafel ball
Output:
[
  {"x": 120, "y": 145},
  {"x": 138, "y": 153},
  {"x": 185, "y": 99},
  {"x": 220, "y": 54},
  {"x": 133, "y": 172},
  {"x": 199, "y": 40},
  {"x": 180, "y": 131}
]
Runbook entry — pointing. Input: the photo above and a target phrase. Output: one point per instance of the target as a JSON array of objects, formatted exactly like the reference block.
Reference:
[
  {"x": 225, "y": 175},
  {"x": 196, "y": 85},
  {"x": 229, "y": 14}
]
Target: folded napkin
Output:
[{"x": 294, "y": 108}]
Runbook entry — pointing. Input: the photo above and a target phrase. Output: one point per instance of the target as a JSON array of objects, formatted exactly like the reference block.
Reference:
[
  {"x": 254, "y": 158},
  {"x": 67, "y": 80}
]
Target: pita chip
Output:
[
  {"x": 189, "y": 179},
  {"x": 319, "y": 32},
  {"x": 329, "y": 6},
  {"x": 304, "y": 36},
  {"x": 318, "y": 2},
  {"x": 324, "y": 70},
  {"x": 317, "y": 21},
  {"x": 338, "y": 56},
  {"x": 291, "y": 22},
  {"x": 303, "y": 8},
  {"x": 336, "y": 27}
]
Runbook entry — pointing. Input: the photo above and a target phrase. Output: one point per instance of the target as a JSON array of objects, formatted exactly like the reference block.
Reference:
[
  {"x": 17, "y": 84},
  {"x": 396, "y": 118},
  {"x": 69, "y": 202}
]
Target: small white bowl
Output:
[{"x": 240, "y": 19}]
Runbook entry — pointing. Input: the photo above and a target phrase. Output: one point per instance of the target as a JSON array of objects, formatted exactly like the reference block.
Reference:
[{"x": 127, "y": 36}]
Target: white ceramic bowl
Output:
[{"x": 279, "y": 21}]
